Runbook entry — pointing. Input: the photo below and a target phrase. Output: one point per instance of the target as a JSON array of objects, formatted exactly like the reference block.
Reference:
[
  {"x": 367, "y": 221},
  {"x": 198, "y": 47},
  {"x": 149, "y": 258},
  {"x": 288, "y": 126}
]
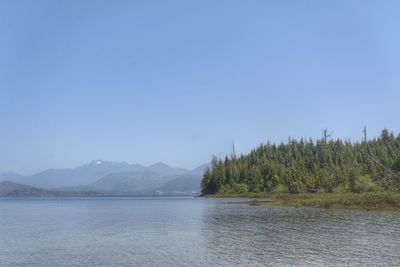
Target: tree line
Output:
[{"x": 324, "y": 165}]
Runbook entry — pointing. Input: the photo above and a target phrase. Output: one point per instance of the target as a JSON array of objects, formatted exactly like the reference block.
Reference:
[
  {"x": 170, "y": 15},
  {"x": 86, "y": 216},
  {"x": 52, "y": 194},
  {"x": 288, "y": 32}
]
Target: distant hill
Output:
[
  {"x": 155, "y": 179},
  {"x": 201, "y": 169},
  {"x": 118, "y": 178},
  {"x": 8, "y": 188},
  {"x": 185, "y": 183},
  {"x": 164, "y": 169},
  {"x": 12, "y": 189},
  {"x": 81, "y": 175},
  {"x": 144, "y": 182}
]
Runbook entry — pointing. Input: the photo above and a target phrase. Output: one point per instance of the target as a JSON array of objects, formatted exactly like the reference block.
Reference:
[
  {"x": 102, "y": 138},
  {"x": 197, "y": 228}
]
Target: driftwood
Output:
[{"x": 312, "y": 190}]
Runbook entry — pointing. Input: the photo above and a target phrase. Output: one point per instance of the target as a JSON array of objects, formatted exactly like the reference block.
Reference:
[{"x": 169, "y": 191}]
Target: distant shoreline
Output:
[{"x": 89, "y": 196}]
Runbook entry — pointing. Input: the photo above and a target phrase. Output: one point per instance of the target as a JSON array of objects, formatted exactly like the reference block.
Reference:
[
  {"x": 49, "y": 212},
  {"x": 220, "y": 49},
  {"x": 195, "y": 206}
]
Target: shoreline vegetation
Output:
[
  {"x": 322, "y": 173},
  {"x": 374, "y": 201}
]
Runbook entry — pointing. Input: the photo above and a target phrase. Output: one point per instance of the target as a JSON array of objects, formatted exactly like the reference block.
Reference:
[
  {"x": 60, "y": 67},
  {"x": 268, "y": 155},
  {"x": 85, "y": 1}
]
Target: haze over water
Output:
[{"x": 190, "y": 232}]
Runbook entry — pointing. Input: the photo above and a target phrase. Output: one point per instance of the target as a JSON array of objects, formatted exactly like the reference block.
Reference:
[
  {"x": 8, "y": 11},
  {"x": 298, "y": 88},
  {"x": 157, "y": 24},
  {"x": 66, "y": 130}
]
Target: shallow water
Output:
[{"x": 190, "y": 232}]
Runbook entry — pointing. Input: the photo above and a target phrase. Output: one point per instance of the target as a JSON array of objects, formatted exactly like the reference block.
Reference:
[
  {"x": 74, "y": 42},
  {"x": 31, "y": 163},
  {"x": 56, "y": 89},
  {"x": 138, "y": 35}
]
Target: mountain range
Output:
[{"x": 112, "y": 178}]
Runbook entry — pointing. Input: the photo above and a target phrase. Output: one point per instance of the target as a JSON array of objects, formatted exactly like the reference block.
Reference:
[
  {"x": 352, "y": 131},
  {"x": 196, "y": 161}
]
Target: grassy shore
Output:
[{"x": 363, "y": 201}]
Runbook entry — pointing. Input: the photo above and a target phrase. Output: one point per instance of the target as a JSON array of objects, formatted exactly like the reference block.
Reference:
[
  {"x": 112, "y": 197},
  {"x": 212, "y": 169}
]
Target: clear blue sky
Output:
[{"x": 178, "y": 81}]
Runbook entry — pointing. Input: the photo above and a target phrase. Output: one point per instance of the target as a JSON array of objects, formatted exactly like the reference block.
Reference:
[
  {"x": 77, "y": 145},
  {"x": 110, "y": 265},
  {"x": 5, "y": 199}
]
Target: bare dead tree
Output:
[
  {"x": 365, "y": 133},
  {"x": 326, "y": 134}
]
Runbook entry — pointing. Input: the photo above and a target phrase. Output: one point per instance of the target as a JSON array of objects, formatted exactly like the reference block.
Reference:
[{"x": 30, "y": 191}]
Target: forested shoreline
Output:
[{"x": 299, "y": 166}]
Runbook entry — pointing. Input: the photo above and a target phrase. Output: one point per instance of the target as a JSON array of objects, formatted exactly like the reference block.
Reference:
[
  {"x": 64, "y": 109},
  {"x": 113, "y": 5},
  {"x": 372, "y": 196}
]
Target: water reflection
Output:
[
  {"x": 190, "y": 232},
  {"x": 260, "y": 236}
]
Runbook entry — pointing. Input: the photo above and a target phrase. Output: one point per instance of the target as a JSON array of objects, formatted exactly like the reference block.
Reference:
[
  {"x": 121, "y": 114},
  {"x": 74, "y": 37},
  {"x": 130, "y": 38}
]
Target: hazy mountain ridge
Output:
[
  {"x": 164, "y": 169},
  {"x": 12, "y": 189},
  {"x": 128, "y": 183},
  {"x": 82, "y": 175},
  {"x": 117, "y": 178},
  {"x": 185, "y": 183}
]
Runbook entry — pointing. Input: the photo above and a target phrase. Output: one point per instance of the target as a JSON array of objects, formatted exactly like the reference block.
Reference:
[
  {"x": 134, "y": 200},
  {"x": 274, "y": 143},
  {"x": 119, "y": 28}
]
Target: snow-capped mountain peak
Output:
[{"x": 97, "y": 162}]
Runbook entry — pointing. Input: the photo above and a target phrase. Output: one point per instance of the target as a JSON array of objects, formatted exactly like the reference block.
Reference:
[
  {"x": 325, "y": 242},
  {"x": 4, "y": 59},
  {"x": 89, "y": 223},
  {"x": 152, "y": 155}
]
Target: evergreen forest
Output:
[{"x": 299, "y": 166}]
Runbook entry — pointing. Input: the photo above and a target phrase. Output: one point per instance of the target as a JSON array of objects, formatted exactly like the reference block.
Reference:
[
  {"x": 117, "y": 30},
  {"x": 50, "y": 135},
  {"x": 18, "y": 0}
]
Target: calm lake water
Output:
[{"x": 190, "y": 232}]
